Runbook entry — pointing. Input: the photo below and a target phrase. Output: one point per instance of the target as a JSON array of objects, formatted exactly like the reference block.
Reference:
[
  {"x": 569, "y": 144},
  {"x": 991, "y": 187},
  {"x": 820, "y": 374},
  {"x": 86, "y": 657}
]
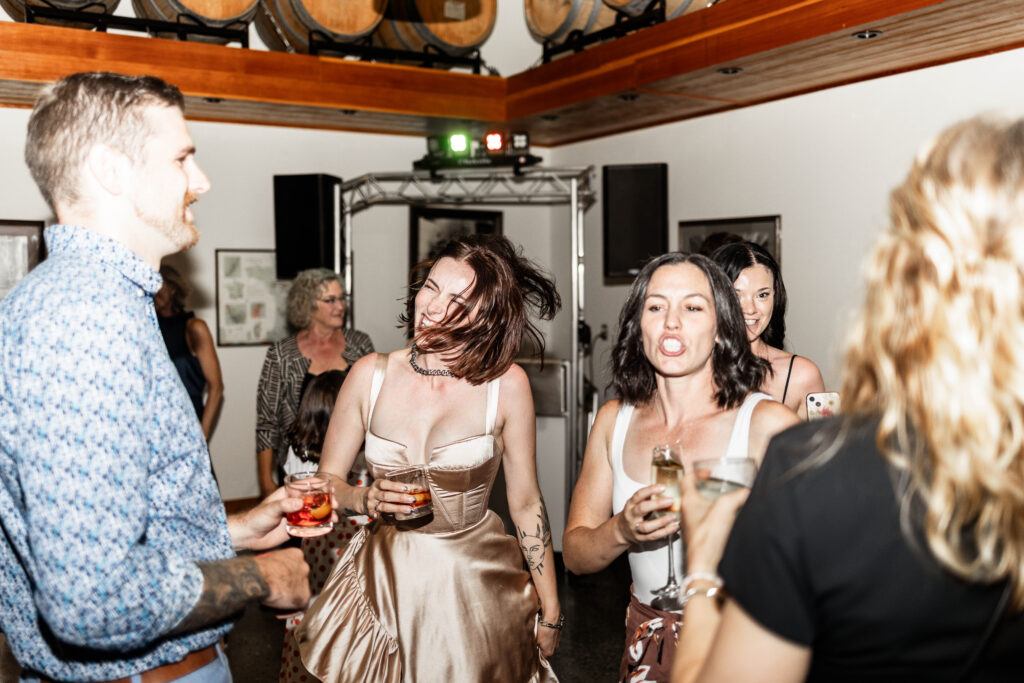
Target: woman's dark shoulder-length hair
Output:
[
  {"x": 508, "y": 287},
  {"x": 306, "y": 437},
  {"x": 734, "y": 259},
  {"x": 735, "y": 369}
]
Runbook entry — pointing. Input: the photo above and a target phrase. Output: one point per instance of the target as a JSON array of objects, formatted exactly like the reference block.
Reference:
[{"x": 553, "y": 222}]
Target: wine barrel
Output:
[
  {"x": 673, "y": 8},
  {"x": 554, "y": 19},
  {"x": 16, "y": 8},
  {"x": 214, "y": 13},
  {"x": 285, "y": 24},
  {"x": 454, "y": 27}
]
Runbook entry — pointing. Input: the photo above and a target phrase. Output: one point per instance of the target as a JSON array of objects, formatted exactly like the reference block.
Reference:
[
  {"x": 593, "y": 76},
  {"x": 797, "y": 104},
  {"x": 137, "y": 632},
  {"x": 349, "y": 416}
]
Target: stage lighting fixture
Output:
[
  {"x": 520, "y": 142},
  {"x": 481, "y": 149},
  {"x": 435, "y": 145},
  {"x": 495, "y": 142}
]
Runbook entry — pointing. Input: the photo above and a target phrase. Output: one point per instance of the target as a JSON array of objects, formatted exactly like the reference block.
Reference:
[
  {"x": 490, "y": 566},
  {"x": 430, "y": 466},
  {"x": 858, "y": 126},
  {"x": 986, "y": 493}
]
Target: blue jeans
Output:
[{"x": 216, "y": 671}]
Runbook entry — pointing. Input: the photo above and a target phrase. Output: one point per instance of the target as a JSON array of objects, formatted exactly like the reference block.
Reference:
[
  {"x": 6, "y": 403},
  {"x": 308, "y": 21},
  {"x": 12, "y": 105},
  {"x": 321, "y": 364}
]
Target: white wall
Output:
[{"x": 825, "y": 162}]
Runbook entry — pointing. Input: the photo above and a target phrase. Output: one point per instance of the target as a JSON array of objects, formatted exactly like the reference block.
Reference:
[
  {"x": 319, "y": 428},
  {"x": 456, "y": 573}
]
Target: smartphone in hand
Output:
[{"x": 822, "y": 404}]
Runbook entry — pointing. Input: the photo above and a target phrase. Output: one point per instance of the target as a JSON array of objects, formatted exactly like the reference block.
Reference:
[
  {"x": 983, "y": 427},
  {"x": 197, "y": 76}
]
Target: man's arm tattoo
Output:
[
  {"x": 535, "y": 543},
  {"x": 228, "y": 586}
]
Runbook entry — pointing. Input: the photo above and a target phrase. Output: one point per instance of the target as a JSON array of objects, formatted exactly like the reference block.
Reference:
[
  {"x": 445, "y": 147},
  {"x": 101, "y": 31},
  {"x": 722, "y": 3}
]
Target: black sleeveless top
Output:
[{"x": 173, "y": 329}]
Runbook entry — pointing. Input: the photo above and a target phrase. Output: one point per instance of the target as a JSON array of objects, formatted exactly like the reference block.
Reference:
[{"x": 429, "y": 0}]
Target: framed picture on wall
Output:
[
  {"x": 21, "y": 249},
  {"x": 430, "y": 229},
  {"x": 252, "y": 304},
  {"x": 705, "y": 236}
]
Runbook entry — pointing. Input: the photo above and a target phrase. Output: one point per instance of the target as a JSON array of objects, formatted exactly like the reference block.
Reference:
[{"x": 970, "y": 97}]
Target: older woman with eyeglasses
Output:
[{"x": 316, "y": 307}]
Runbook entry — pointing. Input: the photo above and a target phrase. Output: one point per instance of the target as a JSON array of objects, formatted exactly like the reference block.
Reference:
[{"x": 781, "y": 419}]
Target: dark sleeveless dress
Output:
[{"x": 173, "y": 329}]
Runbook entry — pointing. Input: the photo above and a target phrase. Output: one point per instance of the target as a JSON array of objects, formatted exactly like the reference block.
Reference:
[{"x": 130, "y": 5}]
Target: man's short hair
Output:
[{"x": 81, "y": 110}]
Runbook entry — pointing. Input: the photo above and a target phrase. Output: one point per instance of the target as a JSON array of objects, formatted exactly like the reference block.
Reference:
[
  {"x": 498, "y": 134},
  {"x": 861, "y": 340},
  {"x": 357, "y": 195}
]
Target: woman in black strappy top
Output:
[{"x": 758, "y": 283}]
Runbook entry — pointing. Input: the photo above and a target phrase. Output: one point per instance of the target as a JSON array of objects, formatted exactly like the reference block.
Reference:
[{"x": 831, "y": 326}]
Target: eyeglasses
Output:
[{"x": 331, "y": 300}]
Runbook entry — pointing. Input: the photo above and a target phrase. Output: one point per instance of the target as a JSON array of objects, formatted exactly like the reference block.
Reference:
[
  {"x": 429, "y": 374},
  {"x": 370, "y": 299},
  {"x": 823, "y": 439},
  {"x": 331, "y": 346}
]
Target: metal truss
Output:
[{"x": 534, "y": 185}]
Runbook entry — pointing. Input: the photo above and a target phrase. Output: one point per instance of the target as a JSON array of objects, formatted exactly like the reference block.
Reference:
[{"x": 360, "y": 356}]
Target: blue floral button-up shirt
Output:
[{"x": 106, "y": 497}]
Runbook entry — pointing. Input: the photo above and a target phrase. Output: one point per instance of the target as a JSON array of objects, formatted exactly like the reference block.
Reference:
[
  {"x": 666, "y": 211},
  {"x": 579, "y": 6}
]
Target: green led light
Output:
[{"x": 458, "y": 143}]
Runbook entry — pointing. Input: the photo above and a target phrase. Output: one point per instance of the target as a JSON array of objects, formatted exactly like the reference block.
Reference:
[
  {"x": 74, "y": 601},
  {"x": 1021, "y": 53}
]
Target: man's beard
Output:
[{"x": 181, "y": 232}]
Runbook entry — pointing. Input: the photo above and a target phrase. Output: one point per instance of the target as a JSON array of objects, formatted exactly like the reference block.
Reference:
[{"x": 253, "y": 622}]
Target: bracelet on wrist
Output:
[
  {"x": 557, "y": 627},
  {"x": 712, "y": 578},
  {"x": 712, "y": 592}
]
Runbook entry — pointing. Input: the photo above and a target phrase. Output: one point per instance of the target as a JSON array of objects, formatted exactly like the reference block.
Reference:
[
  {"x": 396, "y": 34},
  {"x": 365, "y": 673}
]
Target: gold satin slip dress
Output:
[{"x": 446, "y": 600}]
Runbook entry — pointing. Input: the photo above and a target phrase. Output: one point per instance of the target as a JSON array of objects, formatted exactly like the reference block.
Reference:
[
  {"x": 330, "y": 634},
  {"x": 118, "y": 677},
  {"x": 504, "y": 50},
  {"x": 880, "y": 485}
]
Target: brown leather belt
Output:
[{"x": 170, "y": 672}]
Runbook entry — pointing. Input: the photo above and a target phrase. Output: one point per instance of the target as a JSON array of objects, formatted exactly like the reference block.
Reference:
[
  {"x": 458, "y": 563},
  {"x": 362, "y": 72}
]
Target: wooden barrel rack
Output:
[
  {"x": 578, "y": 40},
  {"x": 101, "y": 22}
]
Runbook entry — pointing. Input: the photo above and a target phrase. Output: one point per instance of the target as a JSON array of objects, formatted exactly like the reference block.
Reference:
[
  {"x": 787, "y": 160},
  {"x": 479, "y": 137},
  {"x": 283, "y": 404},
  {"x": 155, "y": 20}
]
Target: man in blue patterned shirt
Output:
[{"x": 116, "y": 559}]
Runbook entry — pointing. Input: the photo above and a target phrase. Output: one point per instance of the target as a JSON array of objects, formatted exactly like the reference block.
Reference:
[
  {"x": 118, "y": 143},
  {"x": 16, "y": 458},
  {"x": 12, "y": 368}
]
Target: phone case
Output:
[{"x": 822, "y": 404}]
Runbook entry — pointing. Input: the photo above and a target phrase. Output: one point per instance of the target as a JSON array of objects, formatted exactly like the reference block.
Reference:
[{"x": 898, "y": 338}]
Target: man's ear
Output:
[{"x": 108, "y": 168}]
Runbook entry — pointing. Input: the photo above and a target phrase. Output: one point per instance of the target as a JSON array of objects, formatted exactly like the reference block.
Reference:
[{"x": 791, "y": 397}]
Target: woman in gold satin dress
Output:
[{"x": 444, "y": 598}]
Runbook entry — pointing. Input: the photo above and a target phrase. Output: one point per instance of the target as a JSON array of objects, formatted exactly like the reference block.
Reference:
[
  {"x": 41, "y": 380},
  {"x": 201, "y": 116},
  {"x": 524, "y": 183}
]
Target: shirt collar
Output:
[{"x": 68, "y": 239}]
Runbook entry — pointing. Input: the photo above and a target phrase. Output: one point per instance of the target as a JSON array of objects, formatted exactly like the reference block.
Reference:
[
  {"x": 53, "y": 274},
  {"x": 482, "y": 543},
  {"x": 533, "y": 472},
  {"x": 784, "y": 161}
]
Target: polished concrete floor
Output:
[{"x": 594, "y": 606}]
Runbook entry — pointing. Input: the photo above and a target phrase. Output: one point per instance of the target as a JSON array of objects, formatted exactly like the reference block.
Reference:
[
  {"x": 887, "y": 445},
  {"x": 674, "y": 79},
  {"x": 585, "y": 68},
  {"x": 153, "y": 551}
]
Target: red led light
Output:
[{"x": 494, "y": 142}]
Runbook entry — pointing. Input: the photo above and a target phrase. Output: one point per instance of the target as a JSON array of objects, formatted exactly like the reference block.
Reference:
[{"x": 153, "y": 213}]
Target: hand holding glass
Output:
[
  {"x": 719, "y": 476},
  {"x": 315, "y": 489},
  {"x": 416, "y": 479}
]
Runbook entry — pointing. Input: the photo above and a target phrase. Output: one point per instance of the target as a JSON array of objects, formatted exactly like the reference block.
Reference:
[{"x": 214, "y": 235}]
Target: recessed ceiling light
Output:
[
  {"x": 348, "y": 112},
  {"x": 212, "y": 100},
  {"x": 628, "y": 96},
  {"x": 866, "y": 34},
  {"x": 730, "y": 70},
  {"x": 549, "y": 117}
]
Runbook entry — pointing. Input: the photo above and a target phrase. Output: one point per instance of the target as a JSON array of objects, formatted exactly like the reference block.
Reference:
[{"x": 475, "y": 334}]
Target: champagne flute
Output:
[
  {"x": 718, "y": 476},
  {"x": 667, "y": 469}
]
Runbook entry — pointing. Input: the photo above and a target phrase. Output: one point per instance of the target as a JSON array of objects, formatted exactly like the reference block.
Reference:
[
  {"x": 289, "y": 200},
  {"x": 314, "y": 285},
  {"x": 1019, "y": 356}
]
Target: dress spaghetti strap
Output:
[
  {"x": 378, "y": 380},
  {"x": 492, "y": 404},
  {"x": 789, "y": 374}
]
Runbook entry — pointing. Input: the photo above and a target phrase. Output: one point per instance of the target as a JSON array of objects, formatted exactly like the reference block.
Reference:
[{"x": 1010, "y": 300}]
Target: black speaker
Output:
[
  {"x": 634, "y": 207},
  {"x": 304, "y": 209}
]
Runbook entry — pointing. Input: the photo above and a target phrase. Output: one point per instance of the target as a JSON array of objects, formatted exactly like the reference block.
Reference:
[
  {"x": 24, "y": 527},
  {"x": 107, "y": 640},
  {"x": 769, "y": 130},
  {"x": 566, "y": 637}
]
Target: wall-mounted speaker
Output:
[
  {"x": 634, "y": 208},
  {"x": 304, "y": 216}
]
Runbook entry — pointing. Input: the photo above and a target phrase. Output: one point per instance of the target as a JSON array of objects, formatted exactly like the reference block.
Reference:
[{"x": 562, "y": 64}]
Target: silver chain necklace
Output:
[{"x": 424, "y": 371}]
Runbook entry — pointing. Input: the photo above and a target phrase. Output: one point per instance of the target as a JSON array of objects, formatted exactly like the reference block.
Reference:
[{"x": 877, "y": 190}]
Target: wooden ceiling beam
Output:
[
  {"x": 41, "y": 54},
  {"x": 659, "y": 74}
]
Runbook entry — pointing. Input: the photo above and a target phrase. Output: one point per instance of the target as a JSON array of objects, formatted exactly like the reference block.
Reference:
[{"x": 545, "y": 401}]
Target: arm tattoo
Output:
[
  {"x": 535, "y": 543},
  {"x": 228, "y": 586}
]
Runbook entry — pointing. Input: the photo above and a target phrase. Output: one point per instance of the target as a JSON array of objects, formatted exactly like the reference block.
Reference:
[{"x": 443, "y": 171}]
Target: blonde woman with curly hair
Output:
[{"x": 888, "y": 544}]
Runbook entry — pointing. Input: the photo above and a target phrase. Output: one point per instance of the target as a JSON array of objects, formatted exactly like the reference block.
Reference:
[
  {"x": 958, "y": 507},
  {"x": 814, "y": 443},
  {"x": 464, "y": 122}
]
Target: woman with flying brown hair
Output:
[{"x": 447, "y": 598}]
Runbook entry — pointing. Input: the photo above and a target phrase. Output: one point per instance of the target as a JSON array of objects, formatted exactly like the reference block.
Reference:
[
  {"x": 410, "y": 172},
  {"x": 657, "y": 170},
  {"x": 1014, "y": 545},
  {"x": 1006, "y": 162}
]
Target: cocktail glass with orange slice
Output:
[{"x": 314, "y": 488}]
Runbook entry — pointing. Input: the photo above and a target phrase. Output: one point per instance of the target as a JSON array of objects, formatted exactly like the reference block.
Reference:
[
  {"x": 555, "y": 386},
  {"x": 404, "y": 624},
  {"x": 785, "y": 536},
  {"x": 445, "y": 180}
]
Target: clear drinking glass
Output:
[
  {"x": 416, "y": 478},
  {"x": 667, "y": 469},
  {"x": 719, "y": 476},
  {"x": 314, "y": 488}
]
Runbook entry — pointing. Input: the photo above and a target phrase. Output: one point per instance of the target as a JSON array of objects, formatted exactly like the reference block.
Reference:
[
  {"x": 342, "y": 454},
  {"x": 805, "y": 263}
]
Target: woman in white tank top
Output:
[{"x": 685, "y": 374}]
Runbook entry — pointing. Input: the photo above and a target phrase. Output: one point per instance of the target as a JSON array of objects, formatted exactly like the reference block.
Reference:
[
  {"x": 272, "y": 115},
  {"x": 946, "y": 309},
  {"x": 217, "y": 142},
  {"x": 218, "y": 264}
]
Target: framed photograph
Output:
[
  {"x": 430, "y": 229},
  {"x": 705, "y": 236},
  {"x": 252, "y": 304},
  {"x": 21, "y": 249}
]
